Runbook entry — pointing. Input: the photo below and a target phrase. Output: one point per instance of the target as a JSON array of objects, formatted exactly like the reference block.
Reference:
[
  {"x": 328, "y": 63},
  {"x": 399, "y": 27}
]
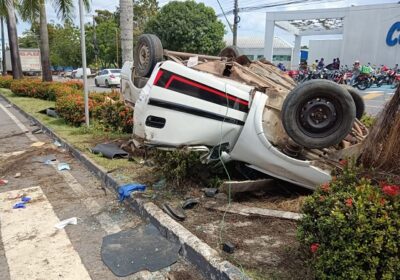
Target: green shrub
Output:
[
  {"x": 71, "y": 107},
  {"x": 368, "y": 120},
  {"x": 352, "y": 228},
  {"x": 5, "y": 81},
  {"x": 115, "y": 116},
  {"x": 178, "y": 166}
]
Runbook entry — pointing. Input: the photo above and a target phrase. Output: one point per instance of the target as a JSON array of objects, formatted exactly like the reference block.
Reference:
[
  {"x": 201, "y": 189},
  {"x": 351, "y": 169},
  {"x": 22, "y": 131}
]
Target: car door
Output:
[{"x": 102, "y": 76}]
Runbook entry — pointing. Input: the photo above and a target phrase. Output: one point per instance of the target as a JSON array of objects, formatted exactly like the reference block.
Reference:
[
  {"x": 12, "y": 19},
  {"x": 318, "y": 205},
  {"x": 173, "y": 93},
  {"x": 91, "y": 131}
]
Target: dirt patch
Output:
[{"x": 265, "y": 248}]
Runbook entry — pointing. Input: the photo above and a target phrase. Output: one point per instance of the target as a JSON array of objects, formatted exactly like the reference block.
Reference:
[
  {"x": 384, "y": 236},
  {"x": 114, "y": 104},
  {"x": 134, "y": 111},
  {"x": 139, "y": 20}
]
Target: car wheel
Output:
[
  {"x": 358, "y": 101},
  {"x": 318, "y": 114},
  {"x": 148, "y": 53},
  {"x": 96, "y": 83},
  {"x": 107, "y": 84},
  {"x": 231, "y": 52}
]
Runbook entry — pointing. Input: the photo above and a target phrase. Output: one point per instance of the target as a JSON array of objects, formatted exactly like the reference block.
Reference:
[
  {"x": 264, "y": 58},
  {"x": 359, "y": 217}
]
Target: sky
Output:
[{"x": 251, "y": 23}]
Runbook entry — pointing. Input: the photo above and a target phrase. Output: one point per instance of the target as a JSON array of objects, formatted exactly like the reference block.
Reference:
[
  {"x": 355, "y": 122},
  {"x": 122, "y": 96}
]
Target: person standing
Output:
[{"x": 321, "y": 64}]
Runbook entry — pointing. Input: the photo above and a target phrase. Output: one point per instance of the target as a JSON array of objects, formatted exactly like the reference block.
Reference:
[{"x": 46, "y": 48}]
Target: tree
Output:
[
  {"x": 7, "y": 10},
  {"x": 143, "y": 11},
  {"x": 62, "y": 38},
  {"x": 126, "y": 24},
  {"x": 189, "y": 27},
  {"x": 106, "y": 41},
  {"x": 31, "y": 10},
  {"x": 29, "y": 39}
]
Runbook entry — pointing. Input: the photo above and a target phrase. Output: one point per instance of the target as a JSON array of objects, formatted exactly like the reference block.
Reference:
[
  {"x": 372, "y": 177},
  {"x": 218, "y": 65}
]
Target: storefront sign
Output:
[{"x": 392, "y": 38}]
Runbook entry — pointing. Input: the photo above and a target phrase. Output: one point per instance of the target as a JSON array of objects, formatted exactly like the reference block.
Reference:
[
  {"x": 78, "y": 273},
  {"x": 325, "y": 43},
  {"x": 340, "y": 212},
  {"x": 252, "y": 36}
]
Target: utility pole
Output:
[
  {"x": 236, "y": 20},
  {"x": 3, "y": 48},
  {"x": 96, "y": 48},
  {"x": 116, "y": 43},
  {"x": 83, "y": 50}
]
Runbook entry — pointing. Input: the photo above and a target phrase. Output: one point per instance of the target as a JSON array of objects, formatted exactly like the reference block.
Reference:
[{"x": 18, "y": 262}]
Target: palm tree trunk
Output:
[
  {"x": 3, "y": 48},
  {"x": 126, "y": 23},
  {"x": 13, "y": 41},
  {"x": 44, "y": 44}
]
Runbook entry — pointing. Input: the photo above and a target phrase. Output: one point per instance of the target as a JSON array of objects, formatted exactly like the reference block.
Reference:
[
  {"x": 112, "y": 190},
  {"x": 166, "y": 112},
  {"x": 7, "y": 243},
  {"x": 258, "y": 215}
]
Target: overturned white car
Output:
[{"x": 235, "y": 109}]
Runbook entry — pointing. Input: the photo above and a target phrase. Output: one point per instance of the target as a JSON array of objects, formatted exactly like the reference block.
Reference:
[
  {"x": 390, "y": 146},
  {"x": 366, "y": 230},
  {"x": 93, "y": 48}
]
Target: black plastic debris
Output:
[
  {"x": 51, "y": 112},
  {"x": 37, "y": 131},
  {"x": 175, "y": 213},
  {"x": 109, "y": 150},
  {"x": 140, "y": 248},
  {"x": 228, "y": 247},
  {"x": 190, "y": 203},
  {"x": 210, "y": 192}
]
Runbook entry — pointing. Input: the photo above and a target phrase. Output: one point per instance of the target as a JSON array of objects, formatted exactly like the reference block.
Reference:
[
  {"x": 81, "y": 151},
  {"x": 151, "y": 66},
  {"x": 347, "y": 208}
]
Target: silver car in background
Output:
[{"x": 108, "y": 78}]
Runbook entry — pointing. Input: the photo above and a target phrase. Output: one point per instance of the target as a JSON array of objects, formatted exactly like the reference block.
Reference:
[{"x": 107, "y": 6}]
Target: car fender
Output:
[{"x": 253, "y": 148}]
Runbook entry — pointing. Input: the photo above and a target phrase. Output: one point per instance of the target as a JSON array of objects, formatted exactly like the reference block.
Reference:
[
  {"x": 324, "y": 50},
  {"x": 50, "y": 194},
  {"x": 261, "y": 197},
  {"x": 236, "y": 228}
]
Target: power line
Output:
[
  {"x": 276, "y": 4},
  {"x": 223, "y": 13}
]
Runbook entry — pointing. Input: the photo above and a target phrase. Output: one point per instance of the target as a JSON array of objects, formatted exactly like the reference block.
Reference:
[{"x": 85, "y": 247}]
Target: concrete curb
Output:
[{"x": 198, "y": 253}]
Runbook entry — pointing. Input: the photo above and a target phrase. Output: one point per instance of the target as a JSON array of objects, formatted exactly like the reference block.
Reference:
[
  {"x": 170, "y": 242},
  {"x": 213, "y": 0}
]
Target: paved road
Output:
[
  {"x": 30, "y": 246},
  {"x": 375, "y": 98}
]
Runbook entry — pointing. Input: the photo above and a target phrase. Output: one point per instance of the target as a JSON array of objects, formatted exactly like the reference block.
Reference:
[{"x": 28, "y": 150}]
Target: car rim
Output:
[
  {"x": 317, "y": 115},
  {"x": 144, "y": 55}
]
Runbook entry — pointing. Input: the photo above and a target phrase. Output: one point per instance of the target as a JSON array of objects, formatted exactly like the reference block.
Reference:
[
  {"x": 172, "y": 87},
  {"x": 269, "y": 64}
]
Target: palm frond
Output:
[
  {"x": 64, "y": 8},
  {"x": 29, "y": 10}
]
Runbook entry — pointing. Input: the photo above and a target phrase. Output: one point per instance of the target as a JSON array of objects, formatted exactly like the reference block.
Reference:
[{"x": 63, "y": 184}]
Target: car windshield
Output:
[{"x": 115, "y": 71}]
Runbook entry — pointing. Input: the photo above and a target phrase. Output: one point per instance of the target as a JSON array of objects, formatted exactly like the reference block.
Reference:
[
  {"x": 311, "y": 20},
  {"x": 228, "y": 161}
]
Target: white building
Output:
[
  {"x": 253, "y": 47},
  {"x": 369, "y": 33}
]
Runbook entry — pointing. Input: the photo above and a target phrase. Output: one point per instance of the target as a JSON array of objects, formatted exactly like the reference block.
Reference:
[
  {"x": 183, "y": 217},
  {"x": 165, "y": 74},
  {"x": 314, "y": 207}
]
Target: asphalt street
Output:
[
  {"x": 375, "y": 98},
  {"x": 30, "y": 245}
]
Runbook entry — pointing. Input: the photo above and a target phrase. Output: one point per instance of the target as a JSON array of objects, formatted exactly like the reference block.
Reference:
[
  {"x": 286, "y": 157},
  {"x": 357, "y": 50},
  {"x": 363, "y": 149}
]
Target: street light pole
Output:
[{"x": 83, "y": 50}]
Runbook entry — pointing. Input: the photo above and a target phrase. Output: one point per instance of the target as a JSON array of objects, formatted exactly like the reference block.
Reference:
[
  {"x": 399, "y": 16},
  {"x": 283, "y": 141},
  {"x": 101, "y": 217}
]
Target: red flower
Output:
[
  {"x": 343, "y": 162},
  {"x": 391, "y": 190},
  {"x": 349, "y": 202},
  {"x": 314, "y": 247},
  {"x": 325, "y": 187}
]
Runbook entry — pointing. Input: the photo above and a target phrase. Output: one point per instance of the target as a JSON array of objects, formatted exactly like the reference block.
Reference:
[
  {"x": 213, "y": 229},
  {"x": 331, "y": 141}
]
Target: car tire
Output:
[
  {"x": 107, "y": 84},
  {"x": 358, "y": 101},
  {"x": 96, "y": 83},
  {"x": 318, "y": 114},
  {"x": 148, "y": 53},
  {"x": 230, "y": 52}
]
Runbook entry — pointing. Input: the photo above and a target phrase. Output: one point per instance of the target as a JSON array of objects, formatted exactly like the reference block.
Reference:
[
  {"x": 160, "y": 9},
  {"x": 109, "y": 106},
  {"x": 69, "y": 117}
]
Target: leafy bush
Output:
[
  {"x": 182, "y": 166},
  {"x": 5, "y": 81},
  {"x": 43, "y": 90},
  {"x": 71, "y": 107},
  {"x": 115, "y": 116},
  {"x": 351, "y": 226}
]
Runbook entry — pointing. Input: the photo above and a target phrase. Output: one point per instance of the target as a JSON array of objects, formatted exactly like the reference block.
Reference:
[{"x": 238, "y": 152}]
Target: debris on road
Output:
[
  {"x": 57, "y": 143},
  {"x": 37, "y": 131},
  {"x": 64, "y": 223},
  {"x": 137, "y": 249},
  {"x": 175, "y": 213},
  {"x": 17, "y": 175},
  {"x": 45, "y": 159},
  {"x": 109, "y": 150},
  {"x": 190, "y": 203},
  {"x": 243, "y": 210},
  {"x": 21, "y": 205},
  {"x": 63, "y": 166},
  {"x": 210, "y": 192},
  {"x": 38, "y": 144},
  {"x": 247, "y": 186},
  {"x": 228, "y": 247},
  {"x": 3, "y": 182},
  {"x": 126, "y": 190}
]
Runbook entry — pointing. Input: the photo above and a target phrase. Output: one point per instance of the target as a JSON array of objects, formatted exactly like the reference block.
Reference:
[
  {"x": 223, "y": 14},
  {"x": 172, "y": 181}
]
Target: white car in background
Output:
[{"x": 108, "y": 78}]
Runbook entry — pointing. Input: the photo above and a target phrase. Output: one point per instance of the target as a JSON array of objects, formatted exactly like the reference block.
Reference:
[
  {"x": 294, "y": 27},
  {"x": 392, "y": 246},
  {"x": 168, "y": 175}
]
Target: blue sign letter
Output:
[{"x": 390, "y": 41}]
